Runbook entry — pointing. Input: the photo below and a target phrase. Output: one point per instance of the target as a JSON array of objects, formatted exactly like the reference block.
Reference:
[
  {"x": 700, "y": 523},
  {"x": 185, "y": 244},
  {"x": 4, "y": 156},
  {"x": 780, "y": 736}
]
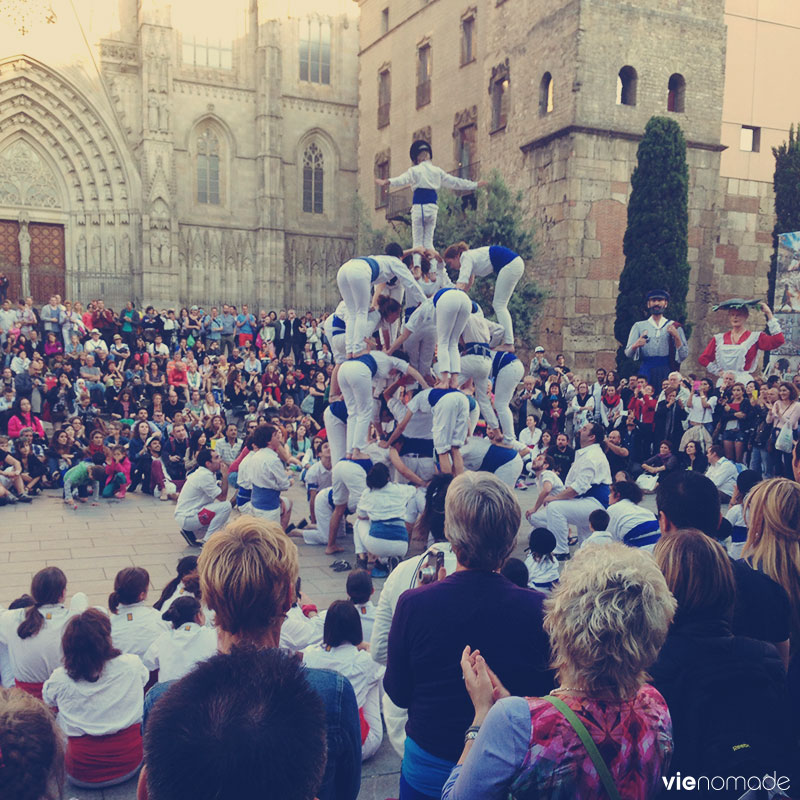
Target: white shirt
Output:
[
  {"x": 110, "y": 704},
  {"x": 420, "y": 426},
  {"x": 723, "y": 474},
  {"x": 545, "y": 570},
  {"x": 624, "y": 516},
  {"x": 477, "y": 328},
  {"x": 551, "y": 477},
  {"x": 391, "y": 267},
  {"x": 267, "y": 470},
  {"x": 346, "y": 659},
  {"x": 90, "y": 346},
  {"x": 175, "y": 653},
  {"x": 135, "y": 627},
  {"x": 589, "y": 469},
  {"x": 474, "y": 262},
  {"x": 697, "y": 412},
  {"x": 180, "y": 591},
  {"x": 298, "y": 631},
  {"x": 200, "y": 489},
  {"x": 318, "y": 477},
  {"x": 386, "y": 364},
  {"x": 244, "y": 477},
  {"x": 426, "y": 175},
  {"x": 735, "y": 542},
  {"x": 390, "y": 502},
  {"x": 423, "y": 320},
  {"x": 34, "y": 659},
  {"x": 530, "y": 438}
]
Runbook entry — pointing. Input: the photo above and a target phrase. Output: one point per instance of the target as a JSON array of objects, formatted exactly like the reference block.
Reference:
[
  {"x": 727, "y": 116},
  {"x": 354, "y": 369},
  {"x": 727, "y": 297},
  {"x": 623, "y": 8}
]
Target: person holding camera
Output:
[{"x": 433, "y": 624}]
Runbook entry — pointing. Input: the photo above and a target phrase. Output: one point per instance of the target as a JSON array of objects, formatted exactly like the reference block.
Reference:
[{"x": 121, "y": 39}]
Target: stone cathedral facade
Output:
[{"x": 141, "y": 160}]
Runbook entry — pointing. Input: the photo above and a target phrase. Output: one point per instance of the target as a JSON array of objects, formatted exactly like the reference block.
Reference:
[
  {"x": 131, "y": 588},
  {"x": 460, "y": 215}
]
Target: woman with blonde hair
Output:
[
  {"x": 607, "y": 620},
  {"x": 722, "y": 690},
  {"x": 31, "y": 749}
]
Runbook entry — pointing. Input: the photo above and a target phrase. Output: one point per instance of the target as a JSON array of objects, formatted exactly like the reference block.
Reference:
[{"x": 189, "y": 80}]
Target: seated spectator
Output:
[
  {"x": 722, "y": 473},
  {"x": 248, "y": 724},
  {"x": 176, "y": 652},
  {"x": 598, "y": 524},
  {"x": 134, "y": 626},
  {"x": 746, "y": 480},
  {"x": 341, "y": 651},
  {"x": 33, "y": 634},
  {"x": 177, "y": 586},
  {"x": 22, "y": 416},
  {"x": 663, "y": 462},
  {"x": 726, "y": 694},
  {"x": 693, "y": 458},
  {"x": 514, "y": 570},
  {"x": 629, "y": 523},
  {"x": 32, "y": 748},
  {"x": 433, "y": 624},
  {"x": 98, "y": 694},
  {"x": 619, "y": 595},
  {"x": 541, "y": 564},
  {"x": 359, "y": 590}
]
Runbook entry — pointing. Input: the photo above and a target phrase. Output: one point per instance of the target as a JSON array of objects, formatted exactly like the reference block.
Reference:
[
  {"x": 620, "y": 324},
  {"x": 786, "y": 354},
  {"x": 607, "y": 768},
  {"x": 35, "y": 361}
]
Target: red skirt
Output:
[
  {"x": 97, "y": 759},
  {"x": 34, "y": 689}
]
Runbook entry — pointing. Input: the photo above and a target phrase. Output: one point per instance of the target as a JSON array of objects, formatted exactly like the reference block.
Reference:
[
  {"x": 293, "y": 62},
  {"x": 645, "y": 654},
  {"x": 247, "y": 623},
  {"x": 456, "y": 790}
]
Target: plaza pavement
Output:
[{"x": 92, "y": 544}]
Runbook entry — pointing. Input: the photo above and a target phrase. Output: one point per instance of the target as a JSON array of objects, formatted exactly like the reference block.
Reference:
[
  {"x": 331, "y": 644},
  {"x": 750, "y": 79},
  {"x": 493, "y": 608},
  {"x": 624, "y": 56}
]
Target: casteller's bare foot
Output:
[
  {"x": 329, "y": 551},
  {"x": 442, "y": 384}
]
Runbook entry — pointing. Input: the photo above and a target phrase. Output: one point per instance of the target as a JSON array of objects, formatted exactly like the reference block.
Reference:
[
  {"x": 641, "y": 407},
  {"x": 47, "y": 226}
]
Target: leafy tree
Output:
[
  {"x": 786, "y": 182},
  {"x": 656, "y": 239}
]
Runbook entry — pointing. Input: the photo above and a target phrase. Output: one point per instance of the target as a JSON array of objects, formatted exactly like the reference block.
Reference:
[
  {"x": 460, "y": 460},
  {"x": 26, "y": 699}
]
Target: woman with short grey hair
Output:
[
  {"x": 474, "y": 605},
  {"x": 607, "y": 619}
]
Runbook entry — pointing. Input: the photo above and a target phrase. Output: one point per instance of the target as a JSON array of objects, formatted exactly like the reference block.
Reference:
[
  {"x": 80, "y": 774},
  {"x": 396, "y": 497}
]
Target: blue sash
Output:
[
  {"x": 265, "y": 499},
  {"x": 338, "y": 325},
  {"x": 392, "y": 530},
  {"x": 408, "y": 312},
  {"x": 339, "y": 410},
  {"x": 600, "y": 492},
  {"x": 477, "y": 349},
  {"x": 373, "y": 265},
  {"x": 644, "y": 533},
  {"x": 369, "y": 361},
  {"x": 416, "y": 447},
  {"x": 243, "y": 496},
  {"x": 495, "y": 457},
  {"x": 364, "y": 463},
  {"x": 422, "y": 196},
  {"x": 440, "y": 293},
  {"x": 437, "y": 394},
  {"x": 330, "y": 499},
  {"x": 501, "y": 360},
  {"x": 500, "y": 256},
  {"x": 473, "y": 403}
]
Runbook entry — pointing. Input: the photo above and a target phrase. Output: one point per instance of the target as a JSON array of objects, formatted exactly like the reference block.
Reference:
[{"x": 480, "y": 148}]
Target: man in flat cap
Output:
[{"x": 658, "y": 343}]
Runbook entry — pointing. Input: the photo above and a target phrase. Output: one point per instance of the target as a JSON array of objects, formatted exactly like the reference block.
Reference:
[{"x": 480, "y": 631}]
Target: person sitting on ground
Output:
[
  {"x": 726, "y": 694},
  {"x": 176, "y": 652},
  {"x": 134, "y": 625},
  {"x": 98, "y": 694},
  {"x": 541, "y": 564},
  {"x": 177, "y": 586},
  {"x": 598, "y": 522},
  {"x": 722, "y": 472},
  {"x": 663, "y": 462},
  {"x": 33, "y": 634},
  {"x": 32, "y": 748},
  {"x": 629, "y": 523},
  {"x": 515, "y": 571},
  {"x": 745, "y": 481},
  {"x": 342, "y": 650},
  {"x": 360, "y": 590},
  {"x": 619, "y": 594}
]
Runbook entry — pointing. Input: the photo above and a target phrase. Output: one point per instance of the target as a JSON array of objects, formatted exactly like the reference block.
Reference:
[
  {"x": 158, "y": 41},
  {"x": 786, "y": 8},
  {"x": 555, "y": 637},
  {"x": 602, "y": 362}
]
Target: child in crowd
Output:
[
  {"x": 84, "y": 473},
  {"x": 118, "y": 472},
  {"x": 598, "y": 523},
  {"x": 178, "y": 586},
  {"x": 341, "y": 651},
  {"x": 360, "y": 590},
  {"x": 134, "y": 626},
  {"x": 541, "y": 563},
  {"x": 176, "y": 652},
  {"x": 515, "y": 570},
  {"x": 745, "y": 481},
  {"x": 98, "y": 693},
  {"x": 303, "y": 624}
]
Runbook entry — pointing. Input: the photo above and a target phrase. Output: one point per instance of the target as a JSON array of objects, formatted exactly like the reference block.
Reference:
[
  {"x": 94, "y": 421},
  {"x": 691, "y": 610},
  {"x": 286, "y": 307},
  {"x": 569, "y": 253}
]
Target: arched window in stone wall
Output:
[
  {"x": 626, "y": 86},
  {"x": 208, "y": 172},
  {"x": 676, "y": 93},
  {"x": 546, "y": 94},
  {"x": 313, "y": 179}
]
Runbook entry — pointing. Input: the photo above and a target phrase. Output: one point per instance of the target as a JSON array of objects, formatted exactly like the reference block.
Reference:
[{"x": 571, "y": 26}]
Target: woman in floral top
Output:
[{"x": 607, "y": 621}]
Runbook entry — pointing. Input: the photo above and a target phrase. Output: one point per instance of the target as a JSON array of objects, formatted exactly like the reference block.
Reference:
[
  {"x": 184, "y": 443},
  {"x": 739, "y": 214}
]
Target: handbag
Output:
[
  {"x": 785, "y": 440},
  {"x": 588, "y": 743},
  {"x": 307, "y": 406},
  {"x": 647, "y": 482}
]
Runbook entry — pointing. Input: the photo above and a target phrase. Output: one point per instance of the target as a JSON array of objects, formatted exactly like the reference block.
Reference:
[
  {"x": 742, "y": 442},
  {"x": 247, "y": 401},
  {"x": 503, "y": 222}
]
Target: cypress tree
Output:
[
  {"x": 786, "y": 182},
  {"x": 656, "y": 239}
]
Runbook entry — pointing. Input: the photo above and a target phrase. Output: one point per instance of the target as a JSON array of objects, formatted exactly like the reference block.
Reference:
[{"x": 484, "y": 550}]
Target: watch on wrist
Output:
[{"x": 472, "y": 733}]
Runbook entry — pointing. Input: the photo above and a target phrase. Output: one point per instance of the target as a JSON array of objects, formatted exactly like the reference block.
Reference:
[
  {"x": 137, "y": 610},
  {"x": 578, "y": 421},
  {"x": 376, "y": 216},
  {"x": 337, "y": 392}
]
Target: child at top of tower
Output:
[{"x": 426, "y": 179}]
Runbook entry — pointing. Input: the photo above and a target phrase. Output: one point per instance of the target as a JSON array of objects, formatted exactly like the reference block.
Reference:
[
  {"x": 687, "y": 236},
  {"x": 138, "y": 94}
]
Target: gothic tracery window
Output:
[
  {"x": 208, "y": 168},
  {"x": 313, "y": 174}
]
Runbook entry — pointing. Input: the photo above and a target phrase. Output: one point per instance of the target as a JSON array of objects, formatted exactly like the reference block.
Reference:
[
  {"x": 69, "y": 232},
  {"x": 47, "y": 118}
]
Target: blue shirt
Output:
[
  {"x": 228, "y": 324},
  {"x": 247, "y": 321}
]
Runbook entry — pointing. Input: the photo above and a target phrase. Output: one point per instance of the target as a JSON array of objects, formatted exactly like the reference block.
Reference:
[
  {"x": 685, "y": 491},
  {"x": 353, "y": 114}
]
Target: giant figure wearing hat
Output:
[
  {"x": 426, "y": 179},
  {"x": 658, "y": 343},
  {"x": 737, "y": 349}
]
